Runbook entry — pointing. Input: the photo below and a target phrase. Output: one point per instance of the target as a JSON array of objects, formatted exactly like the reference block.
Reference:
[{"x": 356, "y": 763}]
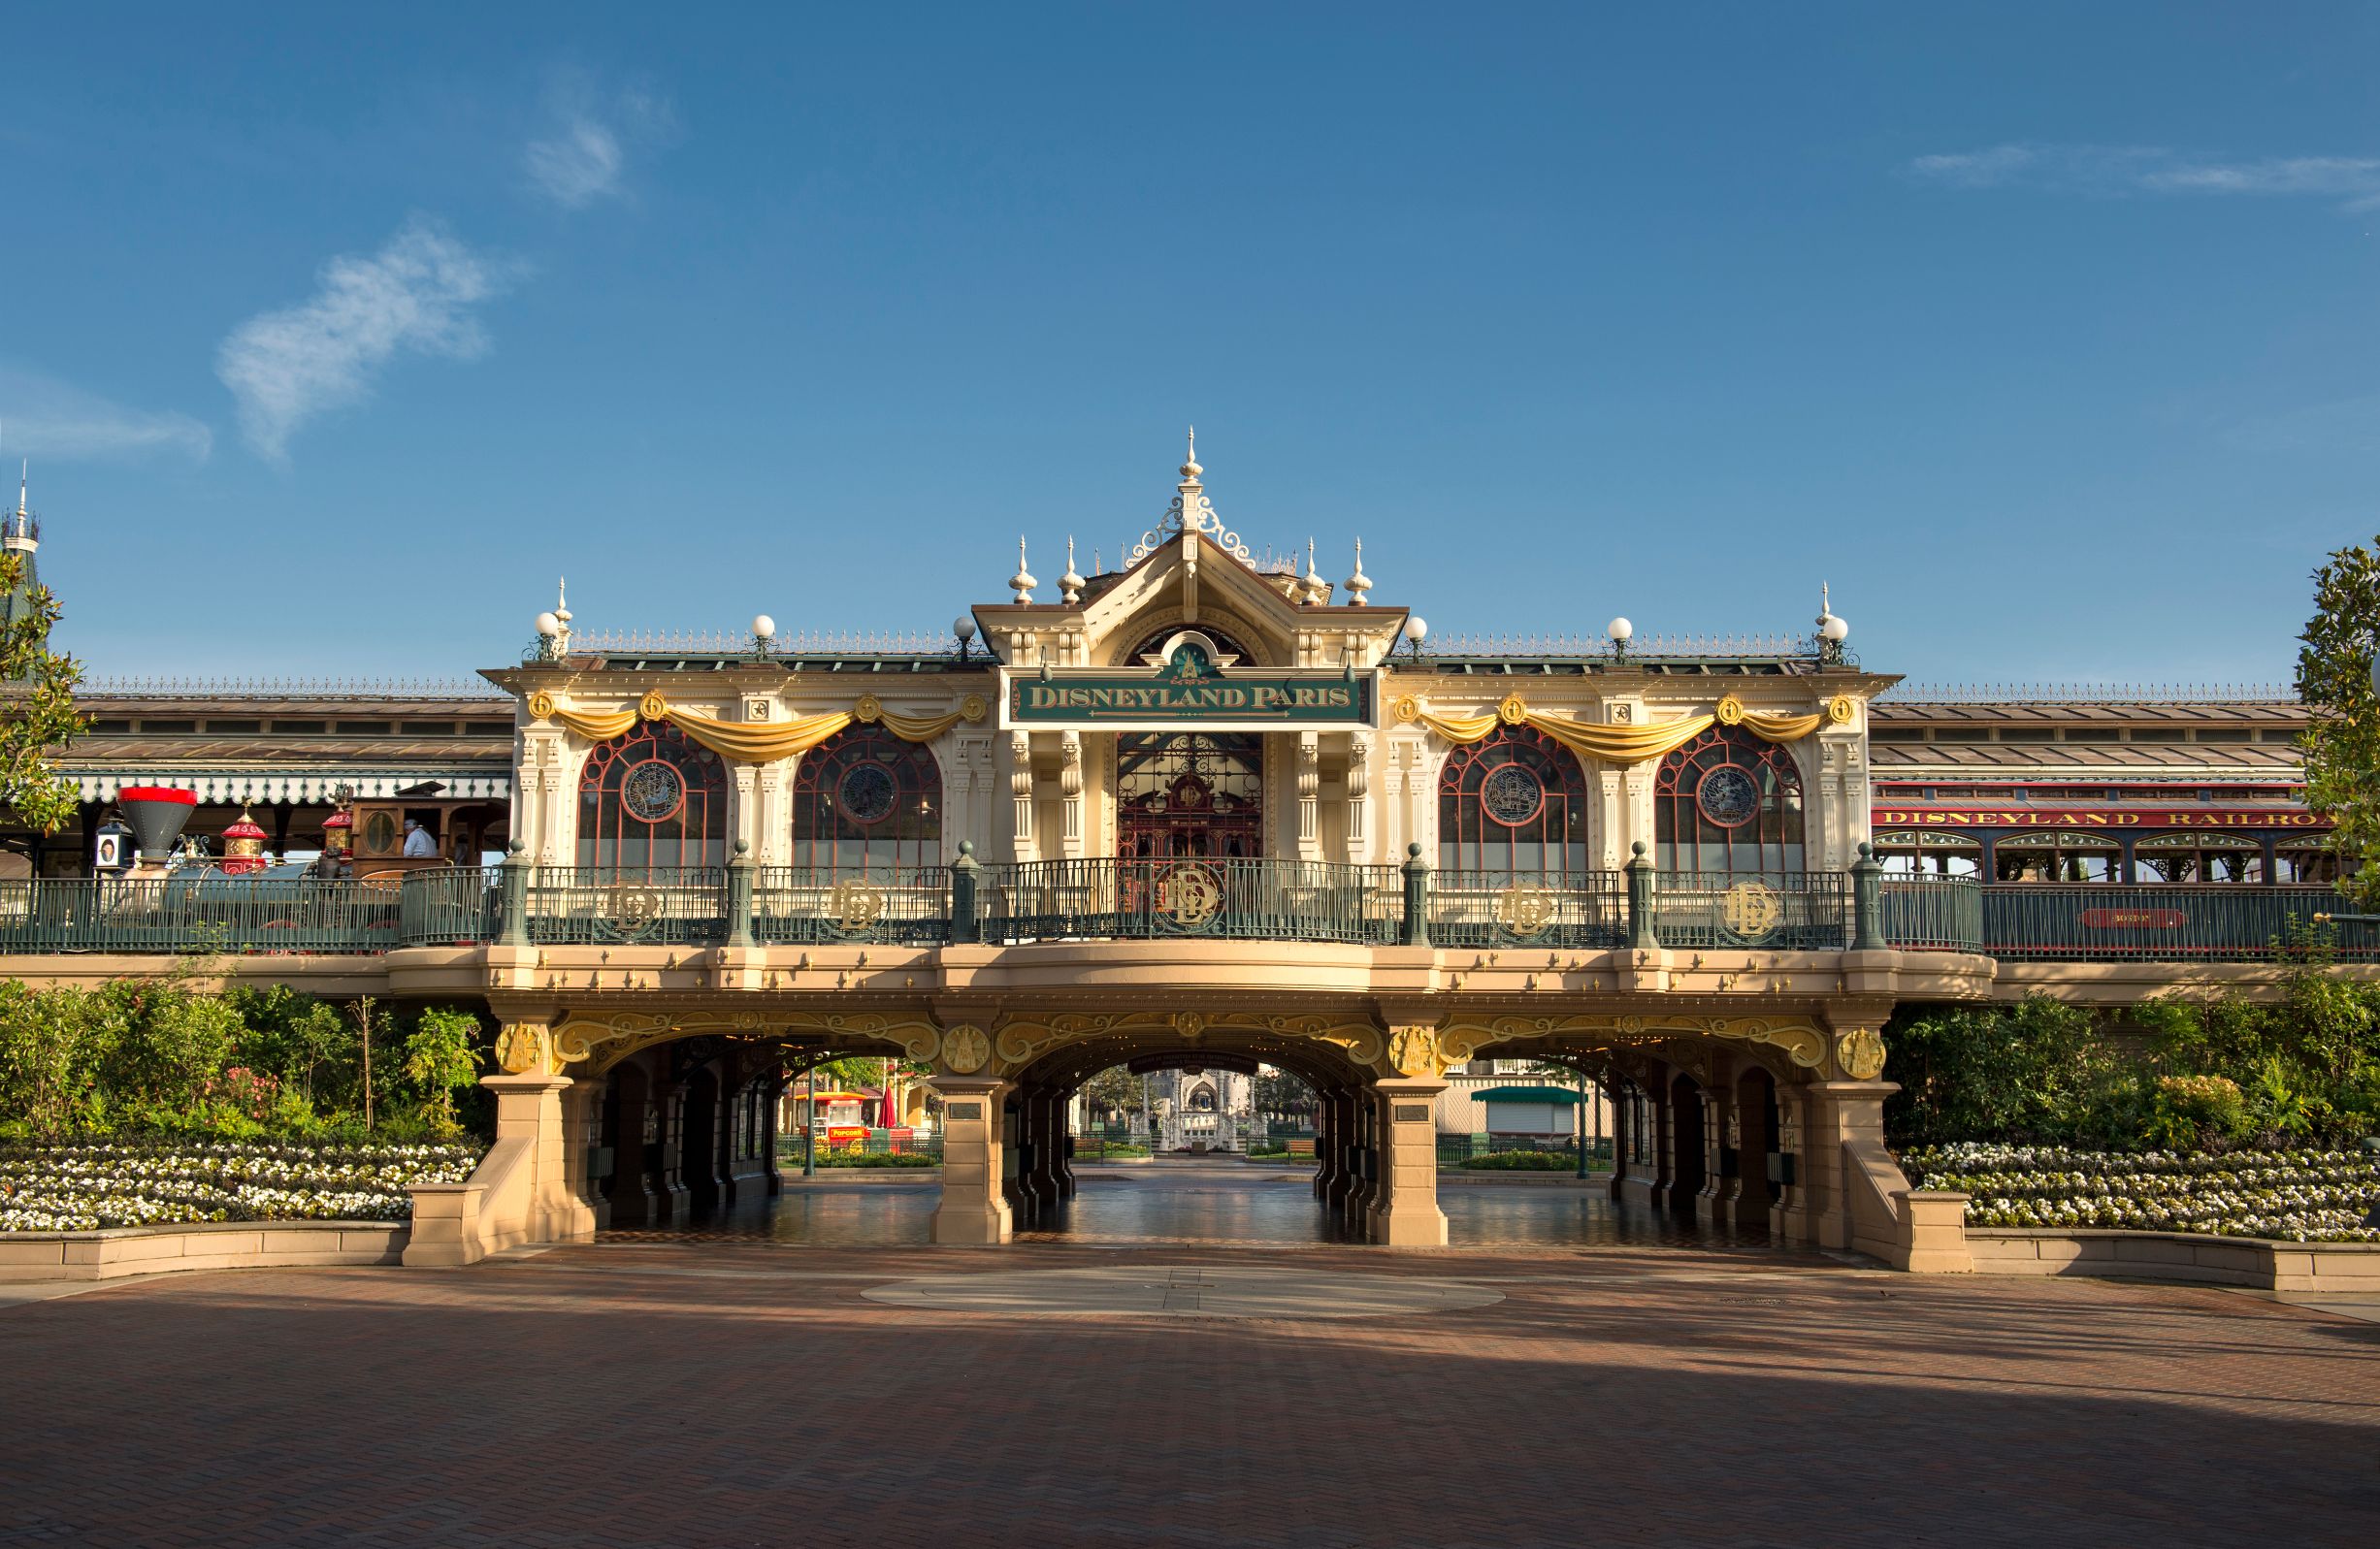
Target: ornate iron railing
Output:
[
  {"x": 1942, "y": 913},
  {"x": 205, "y": 912},
  {"x": 1807, "y": 910},
  {"x": 810, "y": 904},
  {"x": 1585, "y": 910},
  {"x": 672, "y": 906},
  {"x": 448, "y": 906},
  {"x": 1247, "y": 900},
  {"x": 2101, "y": 922}
]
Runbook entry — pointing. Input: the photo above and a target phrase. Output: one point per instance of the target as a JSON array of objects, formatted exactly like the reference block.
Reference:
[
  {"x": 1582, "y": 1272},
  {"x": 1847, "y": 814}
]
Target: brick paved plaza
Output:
[{"x": 724, "y": 1392}]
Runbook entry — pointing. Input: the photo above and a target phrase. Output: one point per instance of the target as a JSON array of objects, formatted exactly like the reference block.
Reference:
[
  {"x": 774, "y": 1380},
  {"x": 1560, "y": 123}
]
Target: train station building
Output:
[{"x": 1206, "y": 811}]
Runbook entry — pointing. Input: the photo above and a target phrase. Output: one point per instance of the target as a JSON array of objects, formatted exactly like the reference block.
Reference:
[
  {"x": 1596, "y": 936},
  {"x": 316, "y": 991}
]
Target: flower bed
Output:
[
  {"x": 80, "y": 1186},
  {"x": 2287, "y": 1195}
]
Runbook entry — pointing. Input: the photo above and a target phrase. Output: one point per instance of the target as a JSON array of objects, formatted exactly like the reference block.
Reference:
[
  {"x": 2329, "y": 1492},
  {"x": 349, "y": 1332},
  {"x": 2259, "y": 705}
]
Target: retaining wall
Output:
[
  {"x": 118, "y": 1251},
  {"x": 2338, "y": 1266}
]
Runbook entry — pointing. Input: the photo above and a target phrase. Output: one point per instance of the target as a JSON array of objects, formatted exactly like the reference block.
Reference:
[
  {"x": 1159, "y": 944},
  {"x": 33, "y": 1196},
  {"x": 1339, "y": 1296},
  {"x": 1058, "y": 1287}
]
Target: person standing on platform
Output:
[{"x": 418, "y": 845}]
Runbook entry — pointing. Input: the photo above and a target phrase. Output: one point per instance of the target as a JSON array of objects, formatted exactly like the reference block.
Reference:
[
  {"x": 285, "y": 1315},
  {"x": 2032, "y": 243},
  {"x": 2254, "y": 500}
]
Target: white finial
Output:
[
  {"x": 1189, "y": 462},
  {"x": 562, "y": 599},
  {"x": 1358, "y": 584},
  {"x": 1023, "y": 583},
  {"x": 1070, "y": 585},
  {"x": 1316, "y": 588},
  {"x": 24, "y": 477}
]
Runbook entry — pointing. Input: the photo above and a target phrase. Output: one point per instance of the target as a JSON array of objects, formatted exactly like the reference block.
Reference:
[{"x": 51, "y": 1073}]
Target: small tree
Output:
[
  {"x": 440, "y": 1062},
  {"x": 37, "y": 705},
  {"x": 2342, "y": 734}
]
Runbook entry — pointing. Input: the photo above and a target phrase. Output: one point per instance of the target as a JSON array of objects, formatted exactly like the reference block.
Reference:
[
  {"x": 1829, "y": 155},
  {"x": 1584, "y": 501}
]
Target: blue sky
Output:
[{"x": 2046, "y": 335}]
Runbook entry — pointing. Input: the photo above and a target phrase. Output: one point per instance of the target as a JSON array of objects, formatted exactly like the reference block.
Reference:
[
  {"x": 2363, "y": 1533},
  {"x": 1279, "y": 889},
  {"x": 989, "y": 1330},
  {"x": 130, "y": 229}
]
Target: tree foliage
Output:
[
  {"x": 2342, "y": 736},
  {"x": 36, "y": 707}
]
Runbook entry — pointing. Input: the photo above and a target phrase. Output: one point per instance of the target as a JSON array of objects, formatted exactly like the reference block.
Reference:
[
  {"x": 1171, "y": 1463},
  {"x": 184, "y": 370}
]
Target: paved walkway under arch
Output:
[{"x": 1202, "y": 1202}]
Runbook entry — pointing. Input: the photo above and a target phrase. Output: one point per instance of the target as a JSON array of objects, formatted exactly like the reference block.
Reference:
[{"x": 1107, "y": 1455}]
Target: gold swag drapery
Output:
[
  {"x": 1615, "y": 744},
  {"x": 751, "y": 741}
]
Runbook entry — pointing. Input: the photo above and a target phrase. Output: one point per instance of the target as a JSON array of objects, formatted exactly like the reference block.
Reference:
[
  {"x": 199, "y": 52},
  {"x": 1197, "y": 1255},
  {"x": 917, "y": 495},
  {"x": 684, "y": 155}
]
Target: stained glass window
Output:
[
  {"x": 1513, "y": 805},
  {"x": 1728, "y": 803},
  {"x": 650, "y": 801},
  {"x": 866, "y": 800}
]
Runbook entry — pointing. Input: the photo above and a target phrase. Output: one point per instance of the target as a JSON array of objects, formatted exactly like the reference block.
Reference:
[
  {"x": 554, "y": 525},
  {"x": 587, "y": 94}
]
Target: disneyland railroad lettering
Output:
[{"x": 1982, "y": 817}]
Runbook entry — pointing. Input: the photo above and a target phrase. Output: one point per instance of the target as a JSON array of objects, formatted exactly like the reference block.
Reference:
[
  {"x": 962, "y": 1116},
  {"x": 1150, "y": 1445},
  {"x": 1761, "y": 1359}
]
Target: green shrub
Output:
[
  {"x": 877, "y": 1159},
  {"x": 1523, "y": 1162}
]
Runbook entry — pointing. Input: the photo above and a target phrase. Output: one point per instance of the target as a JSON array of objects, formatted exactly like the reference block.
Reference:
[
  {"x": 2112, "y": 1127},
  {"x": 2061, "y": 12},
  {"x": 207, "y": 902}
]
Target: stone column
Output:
[
  {"x": 972, "y": 1209},
  {"x": 1021, "y": 845},
  {"x": 1789, "y": 1217},
  {"x": 1309, "y": 795},
  {"x": 1850, "y": 1176},
  {"x": 582, "y": 1126},
  {"x": 1659, "y": 1102},
  {"x": 1358, "y": 791},
  {"x": 528, "y": 1108},
  {"x": 1070, "y": 795},
  {"x": 1716, "y": 1203},
  {"x": 1404, "y": 1211}
]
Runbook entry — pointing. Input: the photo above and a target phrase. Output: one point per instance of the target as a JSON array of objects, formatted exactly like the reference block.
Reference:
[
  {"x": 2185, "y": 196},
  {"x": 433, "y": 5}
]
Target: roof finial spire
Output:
[
  {"x": 1070, "y": 585},
  {"x": 562, "y": 601},
  {"x": 1021, "y": 583},
  {"x": 24, "y": 477},
  {"x": 1358, "y": 584},
  {"x": 1189, "y": 462}
]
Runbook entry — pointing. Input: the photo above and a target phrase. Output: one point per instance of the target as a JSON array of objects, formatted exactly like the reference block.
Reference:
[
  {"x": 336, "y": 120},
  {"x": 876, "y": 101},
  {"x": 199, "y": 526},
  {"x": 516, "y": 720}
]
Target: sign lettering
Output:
[
  {"x": 2094, "y": 818},
  {"x": 1188, "y": 690}
]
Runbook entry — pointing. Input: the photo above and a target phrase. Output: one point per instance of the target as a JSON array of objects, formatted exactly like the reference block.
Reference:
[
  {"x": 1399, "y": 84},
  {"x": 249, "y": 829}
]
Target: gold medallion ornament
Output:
[
  {"x": 965, "y": 1049},
  {"x": 1512, "y": 712},
  {"x": 1525, "y": 909},
  {"x": 1840, "y": 710},
  {"x": 1413, "y": 1052},
  {"x": 1190, "y": 895},
  {"x": 631, "y": 908},
  {"x": 520, "y": 1048},
  {"x": 867, "y": 708},
  {"x": 855, "y": 905},
  {"x": 540, "y": 704},
  {"x": 1730, "y": 711},
  {"x": 1408, "y": 708},
  {"x": 652, "y": 706},
  {"x": 973, "y": 708},
  {"x": 1751, "y": 910},
  {"x": 1861, "y": 1053}
]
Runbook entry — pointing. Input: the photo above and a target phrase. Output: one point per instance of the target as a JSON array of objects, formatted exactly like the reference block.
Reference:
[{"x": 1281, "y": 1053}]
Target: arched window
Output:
[
  {"x": 1728, "y": 803},
  {"x": 1513, "y": 805},
  {"x": 866, "y": 800},
  {"x": 650, "y": 800}
]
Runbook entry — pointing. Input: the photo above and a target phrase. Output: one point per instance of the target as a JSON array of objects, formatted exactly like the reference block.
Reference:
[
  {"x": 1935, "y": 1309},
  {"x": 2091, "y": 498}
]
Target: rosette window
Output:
[
  {"x": 864, "y": 800},
  {"x": 649, "y": 802},
  {"x": 1728, "y": 803}
]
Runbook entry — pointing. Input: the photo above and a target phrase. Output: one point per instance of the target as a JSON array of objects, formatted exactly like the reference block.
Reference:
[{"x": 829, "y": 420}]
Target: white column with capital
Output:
[{"x": 1309, "y": 796}]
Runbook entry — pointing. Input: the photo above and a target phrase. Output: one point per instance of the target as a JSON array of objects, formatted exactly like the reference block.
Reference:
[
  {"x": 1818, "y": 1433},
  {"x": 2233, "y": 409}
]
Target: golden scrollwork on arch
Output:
[
  {"x": 541, "y": 706},
  {"x": 1020, "y": 1041},
  {"x": 965, "y": 1049},
  {"x": 1801, "y": 1043},
  {"x": 601, "y": 1040}
]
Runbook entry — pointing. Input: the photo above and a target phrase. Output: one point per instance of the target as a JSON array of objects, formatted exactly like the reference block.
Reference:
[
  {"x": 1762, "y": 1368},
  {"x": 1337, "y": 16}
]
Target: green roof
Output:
[{"x": 1527, "y": 1094}]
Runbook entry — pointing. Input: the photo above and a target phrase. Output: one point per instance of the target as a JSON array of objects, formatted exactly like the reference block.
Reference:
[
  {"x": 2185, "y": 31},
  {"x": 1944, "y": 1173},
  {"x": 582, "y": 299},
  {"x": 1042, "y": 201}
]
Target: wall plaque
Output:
[
  {"x": 956, "y": 1111},
  {"x": 1413, "y": 1112}
]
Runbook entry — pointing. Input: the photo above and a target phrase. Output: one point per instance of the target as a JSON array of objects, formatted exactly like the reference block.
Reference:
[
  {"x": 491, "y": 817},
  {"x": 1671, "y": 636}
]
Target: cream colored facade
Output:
[{"x": 1737, "y": 1051}]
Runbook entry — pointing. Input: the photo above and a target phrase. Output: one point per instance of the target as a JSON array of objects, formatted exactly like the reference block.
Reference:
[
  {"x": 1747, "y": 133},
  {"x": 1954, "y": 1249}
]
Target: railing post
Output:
[
  {"x": 740, "y": 870},
  {"x": 1866, "y": 901},
  {"x": 965, "y": 877},
  {"x": 1640, "y": 898},
  {"x": 1417, "y": 898},
  {"x": 513, "y": 901}
]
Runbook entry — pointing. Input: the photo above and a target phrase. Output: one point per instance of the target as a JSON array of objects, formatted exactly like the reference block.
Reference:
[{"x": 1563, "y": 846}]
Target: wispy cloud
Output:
[
  {"x": 584, "y": 153},
  {"x": 2353, "y": 180},
  {"x": 415, "y": 296},
  {"x": 43, "y": 417}
]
